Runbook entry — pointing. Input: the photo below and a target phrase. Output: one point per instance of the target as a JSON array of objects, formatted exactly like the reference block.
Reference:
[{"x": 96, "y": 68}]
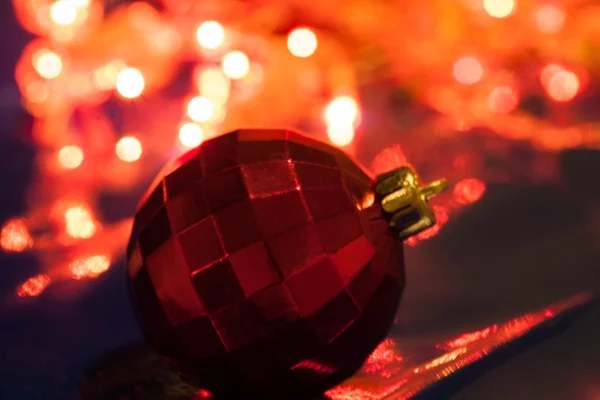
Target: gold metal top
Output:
[{"x": 405, "y": 202}]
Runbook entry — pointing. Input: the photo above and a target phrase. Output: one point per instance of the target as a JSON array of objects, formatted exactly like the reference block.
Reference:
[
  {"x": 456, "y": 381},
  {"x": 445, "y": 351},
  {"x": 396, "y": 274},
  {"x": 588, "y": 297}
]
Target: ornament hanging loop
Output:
[
  {"x": 434, "y": 188},
  {"x": 404, "y": 201}
]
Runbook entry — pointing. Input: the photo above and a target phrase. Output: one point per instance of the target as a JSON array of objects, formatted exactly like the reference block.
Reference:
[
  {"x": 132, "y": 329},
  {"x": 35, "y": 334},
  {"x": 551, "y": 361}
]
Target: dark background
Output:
[{"x": 518, "y": 249}]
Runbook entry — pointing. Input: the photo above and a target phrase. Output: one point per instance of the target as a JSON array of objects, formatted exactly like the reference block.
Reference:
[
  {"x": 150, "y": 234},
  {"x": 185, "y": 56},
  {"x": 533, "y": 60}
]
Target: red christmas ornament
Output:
[{"x": 267, "y": 263}]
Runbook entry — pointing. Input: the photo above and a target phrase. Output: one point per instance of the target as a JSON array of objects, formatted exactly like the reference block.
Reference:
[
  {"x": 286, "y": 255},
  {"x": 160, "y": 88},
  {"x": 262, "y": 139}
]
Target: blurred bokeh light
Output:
[{"x": 118, "y": 88}]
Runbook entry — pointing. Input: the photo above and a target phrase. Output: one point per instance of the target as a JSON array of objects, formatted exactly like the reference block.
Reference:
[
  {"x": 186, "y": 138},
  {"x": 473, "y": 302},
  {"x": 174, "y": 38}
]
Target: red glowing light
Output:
[
  {"x": 389, "y": 158},
  {"x": 236, "y": 64},
  {"x": 14, "y": 236},
  {"x": 468, "y": 70},
  {"x": 441, "y": 215},
  {"x": 130, "y": 83},
  {"x": 70, "y": 157},
  {"x": 549, "y": 18},
  {"x": 350, "y": 393},
  {"x": 79, "y": 222},
  {"x": 210, "y": 34},
  {"x": 381, "y": 358},
  {"x": 471, "y": 337},
  {"x": 34, "y": 286},
  {"x": 314, "y": 366},
  {"x": 563, "y": 86},
  {"x": 548, "y": 72},
  {"x": 503, "y": 100},
  {"x": 499, "y": 8},
  {"x": 90, "y": 267},
  {"x": 302, "y": 42},
  {"x": 468, "y": 191},
  {"x": 203, "y": 394},
  {"x": 48, "y": 64}
]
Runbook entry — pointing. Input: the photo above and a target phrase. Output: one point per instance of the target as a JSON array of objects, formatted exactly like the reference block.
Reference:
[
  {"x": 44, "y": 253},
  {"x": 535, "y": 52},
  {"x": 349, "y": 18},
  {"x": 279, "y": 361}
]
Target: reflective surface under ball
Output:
[{"x": 259, "y": 264}]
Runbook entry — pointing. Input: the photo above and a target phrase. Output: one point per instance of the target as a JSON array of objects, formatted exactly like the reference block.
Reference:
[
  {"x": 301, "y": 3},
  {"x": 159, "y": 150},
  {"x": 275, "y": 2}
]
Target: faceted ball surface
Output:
[{"x": 259, "y": 265}]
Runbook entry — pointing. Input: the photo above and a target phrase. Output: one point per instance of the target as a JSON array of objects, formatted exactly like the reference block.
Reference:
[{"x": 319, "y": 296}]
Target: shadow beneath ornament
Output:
[
  {"x": 133, "y": 373},
  {"x": 457, "y": 381},
  {"x": 137, "y": 373}
]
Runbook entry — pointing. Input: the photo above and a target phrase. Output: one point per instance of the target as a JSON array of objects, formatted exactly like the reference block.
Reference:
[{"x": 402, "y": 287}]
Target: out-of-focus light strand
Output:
[
  {"x": 190, "y": 135},
  {"x": 210, "y": 34},
  {"x": 79, "y": 222},
  {"x": 89, "y": 267},
  {"x": 14, "y": 236},
  {"x": 499, "y": 8},
  {"x": 129, "y": 149},
  {"x": 236, "y": 64},
  {"x": 70, "y": 157},
  {"x": 302, "y": 42},
  {"x": 130, "y": 83},
  {"x": 34, "y": 286}
]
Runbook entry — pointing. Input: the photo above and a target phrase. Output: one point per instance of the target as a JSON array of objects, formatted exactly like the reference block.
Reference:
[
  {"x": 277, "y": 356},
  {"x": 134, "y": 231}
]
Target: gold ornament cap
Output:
[{"x": 405, "y": 202}]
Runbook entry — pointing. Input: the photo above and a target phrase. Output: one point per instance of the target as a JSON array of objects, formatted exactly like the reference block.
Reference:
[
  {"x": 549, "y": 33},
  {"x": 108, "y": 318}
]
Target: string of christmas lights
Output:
[{"x": 118, "y": 89}]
